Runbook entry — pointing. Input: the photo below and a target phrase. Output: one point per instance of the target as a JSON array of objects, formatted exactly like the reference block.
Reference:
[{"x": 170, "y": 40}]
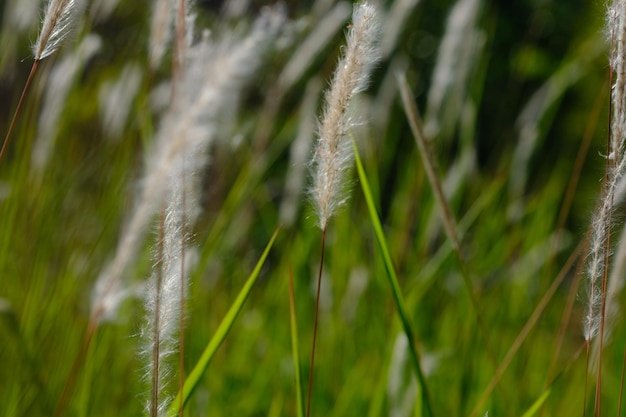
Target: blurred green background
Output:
[{"x": 526, "y": 91}]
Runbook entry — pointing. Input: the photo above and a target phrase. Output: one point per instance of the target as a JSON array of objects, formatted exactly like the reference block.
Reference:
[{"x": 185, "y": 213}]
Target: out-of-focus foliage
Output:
[{"x": 525, "y": 86}]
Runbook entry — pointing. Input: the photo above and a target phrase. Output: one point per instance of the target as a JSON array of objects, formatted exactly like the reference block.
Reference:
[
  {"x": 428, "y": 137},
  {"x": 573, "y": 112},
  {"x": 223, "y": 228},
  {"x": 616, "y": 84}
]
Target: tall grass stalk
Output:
[
  {"x": 57, "y": 21},
  {"x": 108, "y": 129},
  {"x": 167, "y": 294},
  {"x": 177, "y": 62},
  {"x": 597, "y": 269},
  {"x": 333, "y": 156},
  {"x": 185, "y": 160},
  {"x": 213, "y": 78},
  {"x": 449, "y": 221},
  {"x": 523, "y": 334}
]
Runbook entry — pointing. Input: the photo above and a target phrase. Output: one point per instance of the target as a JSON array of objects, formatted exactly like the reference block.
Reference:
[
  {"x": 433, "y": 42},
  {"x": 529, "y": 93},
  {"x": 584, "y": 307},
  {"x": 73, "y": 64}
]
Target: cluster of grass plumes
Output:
[{"x": 156, "y": 150}]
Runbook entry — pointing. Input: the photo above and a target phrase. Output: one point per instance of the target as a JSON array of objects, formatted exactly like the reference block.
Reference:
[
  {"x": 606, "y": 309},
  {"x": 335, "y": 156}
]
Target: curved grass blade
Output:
[
  {"x": 395, "y": 286},
  {"x": 537, "y": 404},
  {"x": 227, "y": 323}
]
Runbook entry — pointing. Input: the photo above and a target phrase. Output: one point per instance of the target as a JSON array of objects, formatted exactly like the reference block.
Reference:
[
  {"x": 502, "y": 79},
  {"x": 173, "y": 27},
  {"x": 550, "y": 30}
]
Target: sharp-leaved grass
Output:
[
  {"x": 181, "y": 153},
  {"x": 333, "y": 154}
]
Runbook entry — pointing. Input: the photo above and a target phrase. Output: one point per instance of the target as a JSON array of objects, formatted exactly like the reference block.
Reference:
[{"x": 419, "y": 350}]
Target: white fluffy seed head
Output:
[
  {"x": 599, "y": 249},
  {"x": 57, "y": 22},
  {"x": 214, "y": 72},
  {"x": 333, "y": 155}
]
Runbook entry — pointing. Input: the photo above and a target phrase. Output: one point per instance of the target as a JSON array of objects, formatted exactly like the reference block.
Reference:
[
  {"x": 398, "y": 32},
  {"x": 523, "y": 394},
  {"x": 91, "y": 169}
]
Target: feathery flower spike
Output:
[
  {"x": 333, "y": 155},
  {"x": 616, "y": 168},
  {"x": 55, "y": 27}
]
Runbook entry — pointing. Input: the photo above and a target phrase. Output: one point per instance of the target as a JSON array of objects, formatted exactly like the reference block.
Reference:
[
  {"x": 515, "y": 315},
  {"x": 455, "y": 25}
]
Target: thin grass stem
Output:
[
  {"x": 31, "y": 75},
  {"x": 586, "y": 378},
  {"x": 565, "y": 319},
  {"x": 611, "y": 171},
  {"x": 523, "y": 334},
  {"x": 156, "y": 343},
  {"x": 449, "y": 221},
  {"x": 317, "y": 307}
]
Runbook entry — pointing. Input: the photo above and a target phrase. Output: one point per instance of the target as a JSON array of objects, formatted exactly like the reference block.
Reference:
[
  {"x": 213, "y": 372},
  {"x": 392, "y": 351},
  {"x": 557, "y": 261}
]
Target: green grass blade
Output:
[
  {"x": 295, "y": 345},
  {"x": 426, "y": 409},
  {"x": 227, "y": 323},
  {"x": 537, "y": 404}
]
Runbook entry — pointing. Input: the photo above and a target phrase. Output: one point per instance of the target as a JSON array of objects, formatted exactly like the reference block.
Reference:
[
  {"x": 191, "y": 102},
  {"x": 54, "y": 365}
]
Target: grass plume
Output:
[
  {"x": 600, "y": 246},
  {"x": 56, "y": 25},
  {"x": 197, "y": 158},
  {"x": 57, "y": 21},
  {"x": 333, "y": 156}
]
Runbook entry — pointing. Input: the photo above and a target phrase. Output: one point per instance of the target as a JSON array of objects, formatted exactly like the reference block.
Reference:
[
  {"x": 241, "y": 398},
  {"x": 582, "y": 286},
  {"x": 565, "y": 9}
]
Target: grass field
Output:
[{"x": 100, "y": 202}]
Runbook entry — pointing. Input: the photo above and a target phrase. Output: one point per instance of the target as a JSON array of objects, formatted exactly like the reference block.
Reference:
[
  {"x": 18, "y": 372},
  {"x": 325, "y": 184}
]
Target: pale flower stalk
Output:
[
  {"x": 333, "y": 154},
  {"x": 167, "y": 289}
]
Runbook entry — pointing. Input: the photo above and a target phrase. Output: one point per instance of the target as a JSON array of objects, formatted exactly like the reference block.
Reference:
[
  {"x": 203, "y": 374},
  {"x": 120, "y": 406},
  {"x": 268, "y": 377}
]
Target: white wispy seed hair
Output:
[
  {"x": 57, "y": 21},
  {"x": 333, "y": 154},
  {"x": 216, "y": 71},
  {"x": 602, "y": 219}
]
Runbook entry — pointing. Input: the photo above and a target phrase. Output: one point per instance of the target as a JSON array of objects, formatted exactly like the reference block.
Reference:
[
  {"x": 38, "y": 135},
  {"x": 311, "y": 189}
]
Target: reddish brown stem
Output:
[
  {"x": 18, "y": 108},
  {"x": 586, "y": 379},
  {"x": 154, "y": 406},
  {"x": 317, "y": 307},
  {"x": 610, "y": 166}
]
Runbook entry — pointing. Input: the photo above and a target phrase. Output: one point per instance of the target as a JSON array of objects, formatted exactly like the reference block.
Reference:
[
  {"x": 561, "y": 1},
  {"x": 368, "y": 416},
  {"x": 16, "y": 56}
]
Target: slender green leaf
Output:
[
  {"x": 426, "y": 409},
  {"x": 537, "y": 404},
  {"x": 227, "y": 323}
]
